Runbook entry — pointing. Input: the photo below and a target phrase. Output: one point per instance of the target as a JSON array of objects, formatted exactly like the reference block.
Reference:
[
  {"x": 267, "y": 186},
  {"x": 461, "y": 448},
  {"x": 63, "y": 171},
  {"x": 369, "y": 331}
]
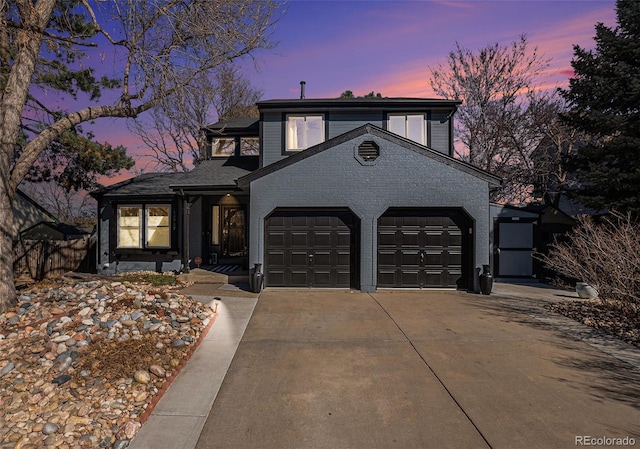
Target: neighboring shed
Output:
[
  {"x": 28, "y": 213},
  {"x": 513, "y": 240},
  {"x": 47, "y": 230},
  {"x": 554, "y": 224}
]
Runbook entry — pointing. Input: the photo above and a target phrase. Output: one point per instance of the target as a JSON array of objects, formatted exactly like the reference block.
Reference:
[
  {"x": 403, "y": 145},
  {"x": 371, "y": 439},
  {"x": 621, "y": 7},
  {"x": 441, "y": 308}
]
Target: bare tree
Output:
[
  {"x": 492, "y": 124},
  {"x": 71, "y": 207},
  {"x": 163, "y": 46},
  {"x": 604, "y": 254},
  {"x": 551, "y": 174},
  {"x": 234, "y": 95},
  {"x": 173, "y": 130}
]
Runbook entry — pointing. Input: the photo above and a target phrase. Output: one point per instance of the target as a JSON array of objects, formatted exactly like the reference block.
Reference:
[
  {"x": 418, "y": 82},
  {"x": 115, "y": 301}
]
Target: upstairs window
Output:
[
  {"x": 149, "y": 221},
  {"x": 411, "y": 126},
  {"x": 223, "y": 147},
  {"x": 304, "y": 131},
  {"x": 249, "y": 146}
]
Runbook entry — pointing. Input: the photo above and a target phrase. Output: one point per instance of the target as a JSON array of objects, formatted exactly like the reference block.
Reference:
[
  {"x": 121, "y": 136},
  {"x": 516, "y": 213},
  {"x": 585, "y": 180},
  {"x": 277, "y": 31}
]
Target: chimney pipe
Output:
[{"x": 302, "y": 84}]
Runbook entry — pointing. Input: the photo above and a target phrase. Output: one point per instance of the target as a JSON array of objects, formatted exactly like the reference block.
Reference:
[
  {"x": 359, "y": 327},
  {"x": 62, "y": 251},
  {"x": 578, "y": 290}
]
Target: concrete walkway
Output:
[
  {"x": 406, "y": 369},
  {"x": 177, "y": 420}
]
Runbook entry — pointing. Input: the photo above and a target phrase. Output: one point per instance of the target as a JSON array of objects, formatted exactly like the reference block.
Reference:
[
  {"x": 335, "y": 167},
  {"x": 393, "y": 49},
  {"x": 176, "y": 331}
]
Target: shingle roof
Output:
[
  {"x": 235, "y": 124},
  {"x": 217, "y": 172},
  {"x": 144, "y": 184},
  {"x": 209, "y": 174}
]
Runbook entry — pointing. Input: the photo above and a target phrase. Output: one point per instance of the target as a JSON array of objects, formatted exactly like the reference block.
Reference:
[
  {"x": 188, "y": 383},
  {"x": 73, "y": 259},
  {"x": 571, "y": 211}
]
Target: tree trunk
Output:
[
  {"x": 35, "y": 18},
  {"x": 7, "y": 285}
]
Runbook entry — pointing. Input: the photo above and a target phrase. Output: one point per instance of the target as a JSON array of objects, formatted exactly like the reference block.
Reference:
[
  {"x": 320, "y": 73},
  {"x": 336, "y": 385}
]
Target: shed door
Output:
[
  {"x": 423, "y": 249},
  {"x": 515, "y": 249},
  {"x": 307, "y": 248}
]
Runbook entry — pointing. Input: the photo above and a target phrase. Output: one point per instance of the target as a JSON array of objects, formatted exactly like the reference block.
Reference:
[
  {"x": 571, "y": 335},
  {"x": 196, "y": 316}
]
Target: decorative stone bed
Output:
[{"x": 83, "y": 363}]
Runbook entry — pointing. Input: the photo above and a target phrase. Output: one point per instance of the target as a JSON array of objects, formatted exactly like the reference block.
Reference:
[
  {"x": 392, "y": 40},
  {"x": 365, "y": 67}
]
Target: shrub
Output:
[{"x": 604, "y": 253}]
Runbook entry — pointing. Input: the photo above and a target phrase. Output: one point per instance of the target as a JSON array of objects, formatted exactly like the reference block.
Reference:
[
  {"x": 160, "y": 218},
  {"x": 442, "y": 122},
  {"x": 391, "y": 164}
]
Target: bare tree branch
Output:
[{"x": 166, "y": 45}]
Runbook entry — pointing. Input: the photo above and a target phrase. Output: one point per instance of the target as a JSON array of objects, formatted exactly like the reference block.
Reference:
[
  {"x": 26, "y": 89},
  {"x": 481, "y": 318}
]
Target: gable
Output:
[
  {"x": 394, "y": 149},
  {"x": 26, "y": 213}
]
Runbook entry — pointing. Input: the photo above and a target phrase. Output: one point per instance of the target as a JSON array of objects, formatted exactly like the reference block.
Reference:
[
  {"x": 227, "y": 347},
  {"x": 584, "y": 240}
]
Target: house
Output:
[
  {"x": 338, "y": 193},
  {"x": 27, "y": 213}
]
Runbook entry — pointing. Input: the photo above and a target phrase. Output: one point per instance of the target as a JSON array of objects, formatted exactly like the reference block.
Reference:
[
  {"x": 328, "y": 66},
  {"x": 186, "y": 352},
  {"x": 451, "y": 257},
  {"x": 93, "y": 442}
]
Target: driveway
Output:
[{"x": 416, "y": 369}]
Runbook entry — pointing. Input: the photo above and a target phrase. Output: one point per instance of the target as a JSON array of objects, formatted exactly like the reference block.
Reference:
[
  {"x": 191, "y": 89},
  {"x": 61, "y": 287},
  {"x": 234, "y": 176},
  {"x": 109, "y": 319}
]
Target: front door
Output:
[{"x": 234, "y": 236}]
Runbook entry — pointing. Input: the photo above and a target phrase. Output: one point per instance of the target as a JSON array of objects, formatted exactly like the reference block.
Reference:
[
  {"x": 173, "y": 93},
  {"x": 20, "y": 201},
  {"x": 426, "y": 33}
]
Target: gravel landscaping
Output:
[
  {"x": 82, "y": 363},
  {"x": 619, "y": 323}
]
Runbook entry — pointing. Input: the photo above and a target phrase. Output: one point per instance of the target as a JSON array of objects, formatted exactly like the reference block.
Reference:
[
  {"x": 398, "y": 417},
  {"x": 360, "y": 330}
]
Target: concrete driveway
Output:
[{"x": 417, "y": 369}]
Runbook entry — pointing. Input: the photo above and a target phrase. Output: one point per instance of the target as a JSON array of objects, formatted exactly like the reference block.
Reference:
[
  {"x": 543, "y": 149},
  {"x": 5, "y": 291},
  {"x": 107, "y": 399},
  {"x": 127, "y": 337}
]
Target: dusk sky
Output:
[{"x": 389, "y": 46}]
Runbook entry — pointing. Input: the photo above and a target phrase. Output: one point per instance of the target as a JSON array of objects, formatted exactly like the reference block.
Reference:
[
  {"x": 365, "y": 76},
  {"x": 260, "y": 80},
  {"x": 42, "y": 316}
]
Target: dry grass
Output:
[
  {"x": 120, "y": 359},
  {"x": 117, "y": 359}
]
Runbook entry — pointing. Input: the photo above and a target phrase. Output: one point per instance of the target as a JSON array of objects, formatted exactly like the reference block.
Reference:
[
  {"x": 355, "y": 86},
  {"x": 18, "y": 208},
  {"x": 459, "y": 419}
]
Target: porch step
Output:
[{"x": 200, "y": 276}]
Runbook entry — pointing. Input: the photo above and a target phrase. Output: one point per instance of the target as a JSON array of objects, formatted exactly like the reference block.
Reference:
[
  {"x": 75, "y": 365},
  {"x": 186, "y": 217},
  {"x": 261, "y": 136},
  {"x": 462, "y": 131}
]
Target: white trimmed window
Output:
[
  {"x": 304, "y": 131},
  {"x": 158, "y": 229},
  {"x": 411, "y": 126},
  {"x": 129, "y": 226},
  {"x": 153, "y": 222},
  {"x": 223, "y": 147}
]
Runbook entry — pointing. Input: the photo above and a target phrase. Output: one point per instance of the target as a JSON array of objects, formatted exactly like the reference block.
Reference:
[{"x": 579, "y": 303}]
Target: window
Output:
[
  {"x": 223, "y": 147},
  {"x": 411, "y": 126},
  {"x": 304, "y": 131},
  {"x": 215, "y": 225},
  {"x": 129, "y": 226},
  {"x": 158, "y": 231},
  {"x": 249, "y": 146},
  {"x": 154, "y": 219}
]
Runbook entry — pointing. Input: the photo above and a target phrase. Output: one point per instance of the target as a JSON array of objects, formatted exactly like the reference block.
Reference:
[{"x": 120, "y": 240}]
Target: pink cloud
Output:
[{"x": 554, "y": 41}]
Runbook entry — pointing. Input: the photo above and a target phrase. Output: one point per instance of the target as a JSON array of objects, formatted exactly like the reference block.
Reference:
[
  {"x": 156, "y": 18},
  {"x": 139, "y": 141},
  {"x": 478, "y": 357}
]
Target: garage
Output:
[
  {"x": 424, "y": 248},
  {"x": 311, "y": 248}
]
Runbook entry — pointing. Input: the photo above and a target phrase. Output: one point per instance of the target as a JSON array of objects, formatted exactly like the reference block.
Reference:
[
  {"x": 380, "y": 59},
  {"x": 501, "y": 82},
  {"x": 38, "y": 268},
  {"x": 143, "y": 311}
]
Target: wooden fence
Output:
[{"x": 45, "y": 259}]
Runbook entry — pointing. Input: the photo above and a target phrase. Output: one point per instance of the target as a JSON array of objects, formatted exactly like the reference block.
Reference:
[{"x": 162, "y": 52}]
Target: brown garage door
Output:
[
  {"x": 310, "y": 248},
  {"x": 423, "y": 248}
]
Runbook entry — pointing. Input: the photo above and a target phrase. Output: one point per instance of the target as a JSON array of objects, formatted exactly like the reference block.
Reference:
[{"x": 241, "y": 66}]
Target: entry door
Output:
[
  {"x": 306, "y": 248},
  {"x": 423, "y": 249},
  {"x": 234, "y": 240}
]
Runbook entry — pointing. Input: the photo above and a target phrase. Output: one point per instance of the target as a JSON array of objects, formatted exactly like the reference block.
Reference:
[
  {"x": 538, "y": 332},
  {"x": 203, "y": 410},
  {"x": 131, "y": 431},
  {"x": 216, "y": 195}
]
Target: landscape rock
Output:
[{"x": 64, "y": 382}]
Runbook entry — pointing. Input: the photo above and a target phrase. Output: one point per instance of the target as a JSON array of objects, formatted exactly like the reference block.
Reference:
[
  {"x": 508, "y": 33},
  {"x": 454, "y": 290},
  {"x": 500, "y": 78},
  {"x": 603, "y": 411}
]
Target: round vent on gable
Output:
[{"x": 368, "y": 151}]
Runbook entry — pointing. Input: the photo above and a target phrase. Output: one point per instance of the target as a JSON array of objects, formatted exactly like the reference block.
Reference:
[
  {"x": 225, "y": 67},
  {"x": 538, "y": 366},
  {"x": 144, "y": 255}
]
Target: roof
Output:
[
  {"x": 355, "y": 103},
  {"x": 493, "y": 180},
  {"x": 144, "y": 184},
  {"x": 220, "y": 173},
  {"x": 233, "y": 124},
  {"x": 63, "y": 228},
  {"x": 217, "y": 173},
  {"x": 31, "y": 201}
]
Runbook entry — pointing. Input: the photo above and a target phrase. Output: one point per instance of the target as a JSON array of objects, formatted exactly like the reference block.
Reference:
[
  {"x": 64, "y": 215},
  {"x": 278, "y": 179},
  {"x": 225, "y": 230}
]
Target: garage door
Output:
[
  {"x": 307, "y": 248},
  {"x": 423, "y": 248}
]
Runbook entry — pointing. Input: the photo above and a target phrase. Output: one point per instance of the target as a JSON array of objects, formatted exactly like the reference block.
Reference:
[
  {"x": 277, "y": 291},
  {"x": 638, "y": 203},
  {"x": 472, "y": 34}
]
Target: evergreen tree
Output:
[{"x": 604, "y": 99}]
